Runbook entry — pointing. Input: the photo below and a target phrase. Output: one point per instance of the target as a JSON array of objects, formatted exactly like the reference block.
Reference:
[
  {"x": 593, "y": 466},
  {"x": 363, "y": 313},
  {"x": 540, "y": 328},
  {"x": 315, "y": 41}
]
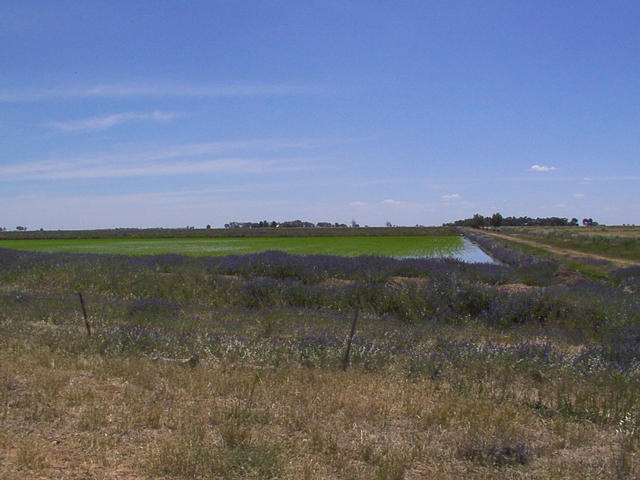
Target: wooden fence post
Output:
[
  {"x": 345, "y": 364},
  {"x": 84, "y": 313}
]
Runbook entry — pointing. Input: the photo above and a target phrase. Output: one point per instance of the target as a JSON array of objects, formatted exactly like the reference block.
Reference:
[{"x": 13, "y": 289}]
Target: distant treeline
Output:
[
  {"x": 497, "y": 220},
  {"x": 288, "y": 224}
]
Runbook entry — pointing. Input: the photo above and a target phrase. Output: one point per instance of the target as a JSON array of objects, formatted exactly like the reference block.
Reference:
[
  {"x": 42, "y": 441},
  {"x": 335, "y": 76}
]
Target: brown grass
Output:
[{"x": 133, "y": 418}]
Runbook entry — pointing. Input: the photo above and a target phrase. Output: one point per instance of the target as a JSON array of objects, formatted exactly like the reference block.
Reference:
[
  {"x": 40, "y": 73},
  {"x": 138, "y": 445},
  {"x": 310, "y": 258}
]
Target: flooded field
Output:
[{"x": 387, "y": 246}]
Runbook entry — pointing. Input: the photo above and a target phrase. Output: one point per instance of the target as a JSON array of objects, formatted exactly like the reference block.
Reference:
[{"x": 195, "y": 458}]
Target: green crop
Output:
[{"x": 391, "y": 246}]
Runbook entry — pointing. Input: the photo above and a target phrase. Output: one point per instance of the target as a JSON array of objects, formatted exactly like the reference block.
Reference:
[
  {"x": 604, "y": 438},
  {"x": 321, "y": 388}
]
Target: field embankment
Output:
[{"x": 262, "y": 232}]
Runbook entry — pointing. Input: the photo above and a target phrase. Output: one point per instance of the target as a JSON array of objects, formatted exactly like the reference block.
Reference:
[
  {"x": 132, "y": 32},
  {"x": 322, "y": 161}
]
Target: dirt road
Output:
[{"x": 618, "y": 262}]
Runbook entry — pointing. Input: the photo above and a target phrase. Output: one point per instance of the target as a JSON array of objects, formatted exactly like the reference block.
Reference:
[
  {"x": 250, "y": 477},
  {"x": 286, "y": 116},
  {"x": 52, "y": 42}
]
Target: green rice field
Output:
[{"x": 390, "y": 246}]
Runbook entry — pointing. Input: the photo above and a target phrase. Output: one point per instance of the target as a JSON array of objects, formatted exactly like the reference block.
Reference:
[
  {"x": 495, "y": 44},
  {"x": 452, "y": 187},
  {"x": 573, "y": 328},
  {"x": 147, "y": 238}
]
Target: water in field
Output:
[
  {"x": 388, "y": 246},
  {"x": 471, "y": 253}
]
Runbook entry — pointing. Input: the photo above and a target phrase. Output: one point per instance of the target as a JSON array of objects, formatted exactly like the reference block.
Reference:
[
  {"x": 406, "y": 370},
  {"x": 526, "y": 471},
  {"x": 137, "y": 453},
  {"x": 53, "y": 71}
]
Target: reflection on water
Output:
[
  {"x": 465, "y": 251},
  {"x": 471, "y": 253}
]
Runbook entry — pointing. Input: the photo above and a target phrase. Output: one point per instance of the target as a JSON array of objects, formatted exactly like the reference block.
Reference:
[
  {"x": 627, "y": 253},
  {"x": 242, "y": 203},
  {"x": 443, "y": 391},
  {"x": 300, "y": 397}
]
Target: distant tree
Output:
[
  {"x": 388, "y": 224},
  {"x": 208, "y": 227},
  {"x": 292, "y": 224},
  {"x": 574, "y": 222},
  {"x": 477, "y": 221},
  {"x": 20, "y": 228},
  {"x": 354, "y": 224}
]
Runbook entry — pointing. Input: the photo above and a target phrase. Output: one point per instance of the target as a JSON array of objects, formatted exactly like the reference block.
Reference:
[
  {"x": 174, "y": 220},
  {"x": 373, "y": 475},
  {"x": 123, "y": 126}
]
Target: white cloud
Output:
[
  {"x": 542, "y": 168},
  {"x": 71, "y": 170},
  {"x": 358, "y": 204},
  {"x": 451, "y": 196},
  {"x": 222, "y": 147},
  {"x": 103, "y": 123},
  {"x": 578, "y": 195},
  {"x": 157, "y": 90},
  {"x": 252, "y": 156},
  {"x": 394, "y": 203}
]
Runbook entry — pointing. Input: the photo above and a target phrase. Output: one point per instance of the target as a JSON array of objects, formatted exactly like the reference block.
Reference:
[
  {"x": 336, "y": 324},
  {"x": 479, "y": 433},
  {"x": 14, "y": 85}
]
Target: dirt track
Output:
[{"x": 619, "y": 262}]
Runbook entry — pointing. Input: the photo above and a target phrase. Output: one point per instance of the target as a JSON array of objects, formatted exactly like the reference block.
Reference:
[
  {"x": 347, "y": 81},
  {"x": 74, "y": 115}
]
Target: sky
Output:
[{"x": 168, "y": 114}]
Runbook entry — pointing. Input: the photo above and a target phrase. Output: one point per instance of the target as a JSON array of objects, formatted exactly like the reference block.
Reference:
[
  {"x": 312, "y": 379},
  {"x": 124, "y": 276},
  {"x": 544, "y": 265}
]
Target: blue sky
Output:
[{"x": 144, "y": 114}]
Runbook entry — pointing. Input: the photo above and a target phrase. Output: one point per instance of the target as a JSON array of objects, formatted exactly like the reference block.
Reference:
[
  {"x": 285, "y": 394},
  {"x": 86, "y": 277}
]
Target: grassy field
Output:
[
  {"x": 614, "y": 242},
  {"x": 512, "y": 370},
  {"x": 581, "y": 232},
  {"x": 391, "y": 246}
]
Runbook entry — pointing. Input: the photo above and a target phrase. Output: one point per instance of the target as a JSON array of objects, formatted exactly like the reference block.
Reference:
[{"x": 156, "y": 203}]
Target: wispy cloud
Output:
[
  {"x": 82, "y": 170},
  {"x": 392, "y": 202},
  {"x": 578, "y": 195},
  {"x": 358, "y": 204},
  {"x": 450, "y": 197},
  {"x": 157, "y": 90},
  {"x": 239, "y": 157},
  {"x": 103, "y": 123},
  {"x": 542, "y": 168},
  {"x": 224, "y": 147}
]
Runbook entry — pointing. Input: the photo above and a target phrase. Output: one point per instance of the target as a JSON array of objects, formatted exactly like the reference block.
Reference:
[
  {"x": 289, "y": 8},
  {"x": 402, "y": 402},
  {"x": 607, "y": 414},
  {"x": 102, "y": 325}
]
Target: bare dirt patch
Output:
[
  {"x": 336, "y": 283},
  {"x": 516, "y": 288},
  {"x": 566, "y": 276},
  {"x": 401, "y": 283}
]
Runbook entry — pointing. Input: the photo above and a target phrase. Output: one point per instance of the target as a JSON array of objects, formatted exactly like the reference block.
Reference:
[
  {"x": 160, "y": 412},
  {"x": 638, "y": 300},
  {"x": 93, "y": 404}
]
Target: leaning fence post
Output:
[
  {"x": 345, "y": 364},
  {"x": 84, "y": 313}
]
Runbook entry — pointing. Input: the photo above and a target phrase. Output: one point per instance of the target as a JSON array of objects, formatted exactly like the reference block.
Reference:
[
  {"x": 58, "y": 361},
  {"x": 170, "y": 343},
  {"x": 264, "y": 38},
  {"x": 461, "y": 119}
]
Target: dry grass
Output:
[
  {"x": 133, "y": 418},
  {"x": 452, "y": 392},
  {"x": 601, "y": 230},
  {"x": 618, "y": 245}
]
